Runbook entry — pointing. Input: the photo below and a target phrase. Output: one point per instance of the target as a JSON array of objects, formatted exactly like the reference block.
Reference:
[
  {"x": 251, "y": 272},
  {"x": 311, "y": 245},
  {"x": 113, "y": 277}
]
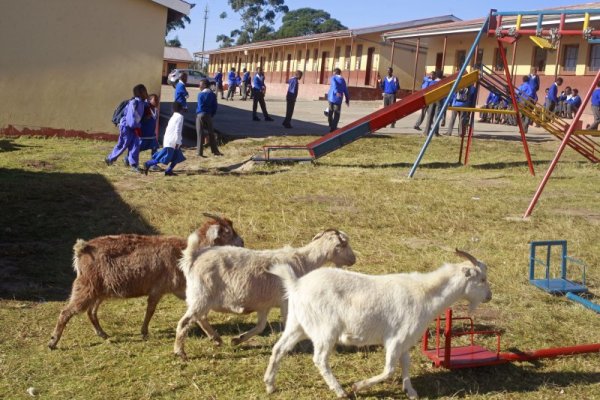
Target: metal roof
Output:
[
  {"x": 177, "y": 54},
  {"x": 176, "y": 5},
  {"x": 332, "y": 35},
  {"x": 474, "y": 25}
]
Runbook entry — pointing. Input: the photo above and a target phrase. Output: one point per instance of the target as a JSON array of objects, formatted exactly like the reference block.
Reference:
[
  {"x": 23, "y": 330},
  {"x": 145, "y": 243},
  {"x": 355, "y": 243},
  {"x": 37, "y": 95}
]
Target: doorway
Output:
[
  {"x": 368, "y": 72},
  {"x": 323, "y": 67}
]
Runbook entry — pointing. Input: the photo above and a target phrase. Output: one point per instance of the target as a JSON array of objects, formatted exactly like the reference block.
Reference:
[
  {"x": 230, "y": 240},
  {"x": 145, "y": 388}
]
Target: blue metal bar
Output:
[
  {"x": 584, "y": 302},
  {"x": 563, "y": 266},
  {"x": 594, "y": 41},
  {"x": 552, "y": 12},
  {"x": 438, "y": 118},
  {"x": 539, "y": 22}
]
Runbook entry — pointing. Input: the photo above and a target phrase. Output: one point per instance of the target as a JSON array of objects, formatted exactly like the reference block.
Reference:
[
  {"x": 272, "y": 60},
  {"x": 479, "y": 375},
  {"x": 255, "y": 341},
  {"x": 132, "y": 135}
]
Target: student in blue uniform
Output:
[
  {"x": 427, "y": 80},
  {"x": 258, "y": 95},
  {"x": 490, "y": 104},
  {"x": 219, "y": 82},
  {"x": 171, "y": 153},
  {"x": 181, "y": 93},
  {"x": 129, "y": 129},
  {"x": 595, "y": 108},
  {"x": 246, "y": 84},
  {"x": 231, "y": 84},
  {"x": 463, "y": 98},
  {"x": 552, "y": 101},
  {"x": 525, "y": 93},
  {"x": 573, "y": 103},
  {"x": 290, "y": 98},
  {"x": 148, "y": 125},
  {"x": 238, "y": 82},
  {"x": 390, "y": 86},
  {"x": 335, "y": 97},
  {"x": 534, "y": 82},
  {"x": 206, "y": 110}
]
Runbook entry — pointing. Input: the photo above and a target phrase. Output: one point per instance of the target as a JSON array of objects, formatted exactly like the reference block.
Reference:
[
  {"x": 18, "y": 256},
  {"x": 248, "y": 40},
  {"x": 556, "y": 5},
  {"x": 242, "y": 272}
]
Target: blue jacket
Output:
[
  {"x": 246, "y": 77},
  {"x": 207, "y": 102},
  {"x": 133, "y": 114},
  {"x": 492, "y": 98},
  {"x": 231, "y": 78},
  {"x": 596, "y": 97},
  {"x": 553, "y": 93},
  {"x": 426, "y": 82},
  {"x": 390, "y": 86},
  {"x": 258, "y": 83},
  {"x": 575, "y": 101},
  {"x": 181, "y": 94},
  {"x": 337, "y": 90},
  {"x": 292, "y": 92},
  {"x": 534, "y": 81},
  {"x": 219, "y": 78},
  {"x": 148, "y": 123},
  {"x": 465, "y": 103},
  {"x": 525, "y": 92}
]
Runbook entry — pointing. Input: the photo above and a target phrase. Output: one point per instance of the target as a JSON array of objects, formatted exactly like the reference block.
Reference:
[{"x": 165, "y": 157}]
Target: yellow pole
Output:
[
  {"x": 586, "y": 21},
  {"x": 519, "y": 18}
]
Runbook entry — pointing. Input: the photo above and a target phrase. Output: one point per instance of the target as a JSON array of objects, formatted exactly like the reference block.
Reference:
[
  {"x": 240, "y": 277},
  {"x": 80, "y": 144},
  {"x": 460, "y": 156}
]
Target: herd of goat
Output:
[{"x": 212, "y": 271}]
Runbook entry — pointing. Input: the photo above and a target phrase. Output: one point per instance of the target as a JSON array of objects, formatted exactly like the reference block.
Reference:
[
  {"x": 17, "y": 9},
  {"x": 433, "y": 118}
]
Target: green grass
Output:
[{"x": 53, "y": 191}]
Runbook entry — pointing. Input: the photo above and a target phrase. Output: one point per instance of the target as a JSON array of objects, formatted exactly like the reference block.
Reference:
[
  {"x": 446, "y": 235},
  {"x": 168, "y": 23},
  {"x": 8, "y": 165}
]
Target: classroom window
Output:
[
  {"x": 347, "y": 55},
  {"x": 336, "y": 57},
  {"x": 570, "y": 58},
  {"x": 498, "y": 64},
  {"x": 594, "y": 61},
  {"x": 461, "y": 56},
  {"x": 539, "y": 58},
  {"x": 359, "y": 49}
]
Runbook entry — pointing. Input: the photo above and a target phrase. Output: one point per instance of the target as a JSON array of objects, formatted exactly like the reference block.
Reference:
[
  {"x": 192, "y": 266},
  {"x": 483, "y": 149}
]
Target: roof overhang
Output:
[{"x": 180, "y": 6}]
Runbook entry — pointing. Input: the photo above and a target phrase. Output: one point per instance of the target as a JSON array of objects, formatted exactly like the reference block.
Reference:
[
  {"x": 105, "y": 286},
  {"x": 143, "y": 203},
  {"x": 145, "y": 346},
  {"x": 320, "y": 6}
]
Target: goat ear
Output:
[
  {"x": 469, "y": 271},
  {"x": 212, "y": 233}
]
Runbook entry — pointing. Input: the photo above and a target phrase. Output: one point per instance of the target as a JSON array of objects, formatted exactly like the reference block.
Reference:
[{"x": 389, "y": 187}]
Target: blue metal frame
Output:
[
  {"x": 556, "y": 285},
  {"x": 547, "y": 12},
  {"x": 438, "y": 118},
  {"x": 584, "y": 302}
]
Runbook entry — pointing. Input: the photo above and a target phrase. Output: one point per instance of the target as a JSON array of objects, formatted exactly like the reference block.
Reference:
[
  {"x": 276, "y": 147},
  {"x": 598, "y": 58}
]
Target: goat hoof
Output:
[
  {"x": 218, "y": 341},
  {"x": 236, "y": 341},
  {"x": 52, "y": 345},
  {"x": 103, "y": 335},
  {"x": 270, "y": 389},
  {"x": 182, "y": 355}
]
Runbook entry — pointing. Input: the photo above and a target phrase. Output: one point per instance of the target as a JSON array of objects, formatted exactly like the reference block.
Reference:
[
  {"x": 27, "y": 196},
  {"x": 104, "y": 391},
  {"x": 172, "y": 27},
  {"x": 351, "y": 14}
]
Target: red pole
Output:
[
  {"x": 553, "y": 352},
  {"x": 561, "y": 148},
  {"x": 416, "y": 63},
  {"x": 448, "y": 338},
  {"x": 511, "y": 89}
]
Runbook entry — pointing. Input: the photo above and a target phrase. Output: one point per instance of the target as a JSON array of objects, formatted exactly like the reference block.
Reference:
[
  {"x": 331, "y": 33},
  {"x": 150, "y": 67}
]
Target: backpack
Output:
[
  {"x": 119, "y": 112},
  {"x": 462, "y": 94}
]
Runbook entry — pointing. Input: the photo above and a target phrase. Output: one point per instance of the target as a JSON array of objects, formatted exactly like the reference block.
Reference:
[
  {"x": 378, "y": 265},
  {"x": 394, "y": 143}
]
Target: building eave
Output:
[{"x": 180, "y": 6}]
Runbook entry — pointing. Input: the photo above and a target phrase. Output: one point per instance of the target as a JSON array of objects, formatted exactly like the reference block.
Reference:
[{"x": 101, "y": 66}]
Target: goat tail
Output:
[
  {"x": 287, "y": 275},
  {"x": 187, "y": 257},
  {"x": 78, "y": 249}
]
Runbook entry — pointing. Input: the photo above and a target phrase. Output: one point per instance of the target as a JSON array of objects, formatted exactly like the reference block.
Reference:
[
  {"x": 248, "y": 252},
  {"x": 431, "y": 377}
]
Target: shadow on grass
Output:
[
  {"x": 43, "y": 213},
  {"x": 8, "y": 145},
  {"x": 431, "y": 165},
  {"x": 511, "y": 164}
]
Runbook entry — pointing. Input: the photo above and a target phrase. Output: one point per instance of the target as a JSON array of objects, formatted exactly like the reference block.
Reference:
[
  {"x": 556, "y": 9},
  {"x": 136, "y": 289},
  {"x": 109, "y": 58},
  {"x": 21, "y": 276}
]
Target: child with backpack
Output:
[
  {"x": 130, "y": 129},
  {"x": 148, "y": 138},
  {"x": 171, "y": 153}
]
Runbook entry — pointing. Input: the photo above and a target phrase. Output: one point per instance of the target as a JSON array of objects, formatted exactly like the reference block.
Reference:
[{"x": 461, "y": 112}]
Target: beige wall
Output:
[{"x": 68, "y": 63}]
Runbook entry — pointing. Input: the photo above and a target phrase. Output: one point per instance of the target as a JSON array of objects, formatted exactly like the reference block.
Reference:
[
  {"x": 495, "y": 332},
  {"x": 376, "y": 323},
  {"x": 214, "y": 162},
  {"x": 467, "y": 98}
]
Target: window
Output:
[
  {"x": 539, "y": 58},
  {"x": 498, "y": 64},
  {"x": 336, "y": 57},
  {"x": 358, "y": 56},
  {"x": 479, "y": 57},
  {"x": 347, "y": 55},
  {"x": 570, "y": 58},
  {"x": 461, "y": 56},
  {"x": 594, "y": 61}
]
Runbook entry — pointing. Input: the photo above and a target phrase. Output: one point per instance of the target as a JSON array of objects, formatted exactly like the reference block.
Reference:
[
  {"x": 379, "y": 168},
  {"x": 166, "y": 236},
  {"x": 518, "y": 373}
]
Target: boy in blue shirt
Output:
[
  {"x": 573, "y": 103},
  {"x": 245, "y": 84},
  {"x": 525, "y": 94},
  {"x": 290, "y": 98},
  {"x": 552, "y": 100},
  {"x": 335, "y": 96},
  {"x": 181, "y": 93},
  {"x": 390, "y": 86},
  {"x": 463, "y": 98},
  {"x": 490, "y": 103},
  {"x": 258, "y": 95},
  {"x": 219, "y": 82},
  {"x": 231, "y": 83},
  {"x": 595, "y": 108},
  {"x": 427, "y": 80},
  {"x": 205, "y": 111}
]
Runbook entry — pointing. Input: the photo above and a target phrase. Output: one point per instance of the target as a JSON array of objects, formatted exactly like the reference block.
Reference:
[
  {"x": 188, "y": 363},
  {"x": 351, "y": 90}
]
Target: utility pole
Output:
[{"x": 204, "y": 34}]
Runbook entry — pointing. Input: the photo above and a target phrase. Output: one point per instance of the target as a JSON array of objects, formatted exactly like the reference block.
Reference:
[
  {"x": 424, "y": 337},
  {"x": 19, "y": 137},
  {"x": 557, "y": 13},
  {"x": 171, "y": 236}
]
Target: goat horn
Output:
[
  {"x": 213, "y": 216},
  {"x": 466, "y": 255}
]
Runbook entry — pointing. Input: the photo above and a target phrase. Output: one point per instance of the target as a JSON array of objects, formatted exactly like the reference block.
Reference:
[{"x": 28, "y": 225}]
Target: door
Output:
[
  {"x": 438, "y": 61},
  {"x": 288, "y": 66},
  {"x": 323, "y": 67},
  {"x": 369, "y": 72}
]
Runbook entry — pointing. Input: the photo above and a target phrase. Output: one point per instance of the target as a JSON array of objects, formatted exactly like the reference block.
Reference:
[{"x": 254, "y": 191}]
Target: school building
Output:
[
  {"x": 175, "y": 58},
  {"x": 571, "y": 57},
  {"x": 361, "y": 54},
  {"x": 66, "y": 64}
]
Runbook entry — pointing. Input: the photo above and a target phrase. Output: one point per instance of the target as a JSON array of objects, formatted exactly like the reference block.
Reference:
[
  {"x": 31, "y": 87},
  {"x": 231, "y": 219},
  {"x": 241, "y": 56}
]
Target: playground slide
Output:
[{"x": 379, "y": 119}]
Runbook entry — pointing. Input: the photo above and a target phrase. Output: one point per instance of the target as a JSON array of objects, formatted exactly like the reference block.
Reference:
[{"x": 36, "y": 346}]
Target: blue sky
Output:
[{"x": 352, "y": 13}]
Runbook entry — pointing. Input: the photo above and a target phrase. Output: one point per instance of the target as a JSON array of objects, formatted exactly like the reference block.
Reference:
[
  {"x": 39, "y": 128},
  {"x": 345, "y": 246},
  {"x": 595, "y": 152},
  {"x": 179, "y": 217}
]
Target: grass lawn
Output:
[{"x": 53, "y": 191}]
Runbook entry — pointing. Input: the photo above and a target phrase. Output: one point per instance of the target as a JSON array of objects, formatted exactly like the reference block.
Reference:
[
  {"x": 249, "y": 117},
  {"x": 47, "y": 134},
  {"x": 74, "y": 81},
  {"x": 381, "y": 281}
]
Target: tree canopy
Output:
[
  {"x": 307, "y": 21},
  {"x": 258, "y": 18}
]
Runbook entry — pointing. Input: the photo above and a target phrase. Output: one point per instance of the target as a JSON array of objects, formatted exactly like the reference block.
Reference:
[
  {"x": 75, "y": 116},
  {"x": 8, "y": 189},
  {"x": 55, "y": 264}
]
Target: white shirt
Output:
[{"x": 173, "y": 136}]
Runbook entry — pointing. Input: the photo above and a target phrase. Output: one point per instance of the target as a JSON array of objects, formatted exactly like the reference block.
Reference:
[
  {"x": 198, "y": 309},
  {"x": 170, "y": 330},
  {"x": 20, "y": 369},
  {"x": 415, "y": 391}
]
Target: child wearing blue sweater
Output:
[{"x": 205, "y": 111}]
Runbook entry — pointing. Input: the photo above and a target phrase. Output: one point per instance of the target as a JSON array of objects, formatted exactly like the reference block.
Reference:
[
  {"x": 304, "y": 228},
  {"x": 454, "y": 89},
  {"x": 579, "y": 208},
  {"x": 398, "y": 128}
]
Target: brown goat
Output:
[{"x": 126, "y": 266}]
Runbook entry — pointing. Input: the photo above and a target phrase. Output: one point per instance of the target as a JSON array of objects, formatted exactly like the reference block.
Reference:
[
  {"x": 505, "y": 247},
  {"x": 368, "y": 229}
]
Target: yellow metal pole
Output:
[
  {"x": 519, "y": 18},
  {"x": 586, "y": 21}
]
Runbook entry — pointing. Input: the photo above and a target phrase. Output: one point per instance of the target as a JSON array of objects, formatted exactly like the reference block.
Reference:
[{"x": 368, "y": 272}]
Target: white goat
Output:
[
  {"x": 236, "y": 280},
  {"x": 330, "y": 306}
]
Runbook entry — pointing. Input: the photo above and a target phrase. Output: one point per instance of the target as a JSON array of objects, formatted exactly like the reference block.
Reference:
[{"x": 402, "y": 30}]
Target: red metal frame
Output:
[{"x": 477, "y": 356}]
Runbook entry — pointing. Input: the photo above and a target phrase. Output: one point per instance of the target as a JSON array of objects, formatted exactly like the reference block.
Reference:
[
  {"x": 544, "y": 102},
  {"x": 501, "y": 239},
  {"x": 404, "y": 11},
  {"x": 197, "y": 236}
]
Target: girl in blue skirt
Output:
[{"x": 171, "y": 153}]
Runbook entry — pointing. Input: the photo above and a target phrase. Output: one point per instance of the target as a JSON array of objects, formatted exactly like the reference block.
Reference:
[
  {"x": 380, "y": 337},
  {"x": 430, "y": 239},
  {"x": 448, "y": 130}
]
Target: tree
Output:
[
  {"x": 258, "y": 17},
  {"x": 175, "y": 21},
  {"x": 174, "y": 42},
  {"x": 307, "y": 21}
]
